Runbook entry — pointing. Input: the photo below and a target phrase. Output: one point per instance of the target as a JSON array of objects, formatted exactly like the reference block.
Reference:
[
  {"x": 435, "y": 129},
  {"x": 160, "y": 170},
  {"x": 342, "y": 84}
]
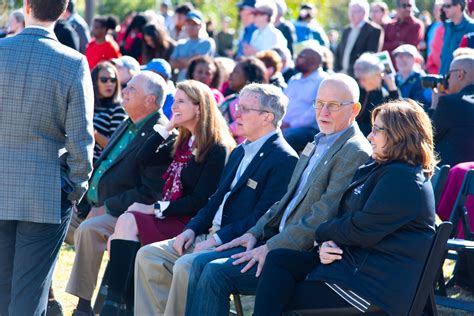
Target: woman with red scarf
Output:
[{"x": 198, "y": 156}]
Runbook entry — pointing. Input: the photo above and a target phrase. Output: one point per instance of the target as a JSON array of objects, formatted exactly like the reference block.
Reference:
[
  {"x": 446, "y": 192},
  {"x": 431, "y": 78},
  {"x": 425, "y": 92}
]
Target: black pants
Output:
[
  {"x": 282, "y": 286},
  {"x": 28, "y": 253}
]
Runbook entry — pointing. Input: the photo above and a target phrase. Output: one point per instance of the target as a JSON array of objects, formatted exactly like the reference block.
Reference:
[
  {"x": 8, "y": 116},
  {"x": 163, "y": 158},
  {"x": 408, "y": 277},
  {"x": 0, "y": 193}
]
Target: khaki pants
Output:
[
  {"x": 90, "y": 241},
  {"x": 73, "y": 225},
  {"x": 161, "y": 278}
]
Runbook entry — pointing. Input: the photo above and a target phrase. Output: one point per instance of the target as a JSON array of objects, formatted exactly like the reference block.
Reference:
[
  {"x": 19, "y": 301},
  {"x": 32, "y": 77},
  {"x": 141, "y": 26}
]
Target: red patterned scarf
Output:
[{"x": 173, "y": 188}]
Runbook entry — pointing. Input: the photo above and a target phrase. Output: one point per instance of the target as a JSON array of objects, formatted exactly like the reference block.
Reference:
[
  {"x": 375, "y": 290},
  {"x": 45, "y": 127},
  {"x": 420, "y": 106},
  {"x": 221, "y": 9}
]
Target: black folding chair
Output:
[
  {"x": 438, "y": 181},
  {"x": 424, "y": 300}
]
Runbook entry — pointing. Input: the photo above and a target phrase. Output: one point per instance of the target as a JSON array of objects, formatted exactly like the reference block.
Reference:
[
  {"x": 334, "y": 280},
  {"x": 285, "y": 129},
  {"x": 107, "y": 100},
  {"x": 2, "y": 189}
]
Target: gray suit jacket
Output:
[
  {"x": 320, "y": 197},
  {"x": 46, "y": 109}
]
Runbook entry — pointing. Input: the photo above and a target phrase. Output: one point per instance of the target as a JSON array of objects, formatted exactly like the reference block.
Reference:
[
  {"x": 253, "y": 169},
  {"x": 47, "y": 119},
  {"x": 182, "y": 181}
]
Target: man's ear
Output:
[{"x": 356, "y": 108}]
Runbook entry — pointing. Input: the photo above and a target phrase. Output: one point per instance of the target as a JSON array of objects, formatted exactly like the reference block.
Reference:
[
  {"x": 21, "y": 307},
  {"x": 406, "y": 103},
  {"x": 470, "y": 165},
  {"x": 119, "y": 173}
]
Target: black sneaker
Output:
[{"x": 54, "y": 308}]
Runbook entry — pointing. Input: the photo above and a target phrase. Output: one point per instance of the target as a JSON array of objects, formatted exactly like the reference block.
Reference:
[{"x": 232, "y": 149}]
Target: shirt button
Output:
[
  {"x": 93, "y": 188},
  {"x": 100, "y": 171}
]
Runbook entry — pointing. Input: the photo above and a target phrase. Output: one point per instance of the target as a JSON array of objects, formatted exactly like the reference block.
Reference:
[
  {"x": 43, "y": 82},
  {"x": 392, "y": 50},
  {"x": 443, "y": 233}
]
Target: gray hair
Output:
[
  {"x": 271, "y": 99},
  {"x": 19, "y": 16},
  {"x": 363, "y": 4},
  {"x": 346, "y": 84},
  {"x": 156, "y": 86},
  {"x": 368, "y": 63}
]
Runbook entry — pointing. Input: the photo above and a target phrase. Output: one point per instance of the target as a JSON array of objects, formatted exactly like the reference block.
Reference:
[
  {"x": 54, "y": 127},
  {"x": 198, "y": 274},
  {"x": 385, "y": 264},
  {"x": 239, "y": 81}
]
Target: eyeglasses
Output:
[
  {"x": 376, "y": 129},
  {"x": 332, "y": 106},
  {"x": 105, "y": 79},
  {"x": 405, "y": 5},
  {"x": 246, "y": 110},
  {"x": 447, "y": 6}
]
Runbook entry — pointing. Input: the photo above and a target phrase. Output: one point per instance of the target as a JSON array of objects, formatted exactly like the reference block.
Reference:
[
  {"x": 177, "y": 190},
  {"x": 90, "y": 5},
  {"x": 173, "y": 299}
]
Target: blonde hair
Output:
[
  {"x": 211, "y": 128},
  {"x": 409, "y": 134}
]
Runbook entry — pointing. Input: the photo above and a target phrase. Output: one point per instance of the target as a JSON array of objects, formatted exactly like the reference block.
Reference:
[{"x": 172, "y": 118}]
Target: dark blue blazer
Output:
[{"x": 262, "y": 184}]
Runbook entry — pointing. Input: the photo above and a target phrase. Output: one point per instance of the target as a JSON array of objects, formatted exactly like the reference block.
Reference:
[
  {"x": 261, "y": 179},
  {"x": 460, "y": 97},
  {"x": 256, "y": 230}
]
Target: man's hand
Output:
[
  {"x": 254, "y": 256},
  {"x": 329, "y": 252},
  {"x": 389, "y": 80},
  {"x": 142, "y": 208},
  {"x": 204, "y": 245},
  {"x": 183, "y": 241},
  {"x": 96, "y": 211},
  {"x": 247, "y": 240},
  {"x": 249, "y": 50}
]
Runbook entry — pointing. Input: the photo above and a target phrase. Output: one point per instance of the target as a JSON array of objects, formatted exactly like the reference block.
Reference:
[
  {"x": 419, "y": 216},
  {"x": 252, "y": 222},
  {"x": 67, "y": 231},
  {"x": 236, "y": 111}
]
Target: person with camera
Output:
[{"x": 453, "y": 113}]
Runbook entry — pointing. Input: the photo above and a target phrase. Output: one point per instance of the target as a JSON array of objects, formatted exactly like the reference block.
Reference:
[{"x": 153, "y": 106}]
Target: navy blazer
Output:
[
  {"x": 453, "y": 123},
  {"x": 385, "y": 228},
  {"x": 262, "y": 184}
]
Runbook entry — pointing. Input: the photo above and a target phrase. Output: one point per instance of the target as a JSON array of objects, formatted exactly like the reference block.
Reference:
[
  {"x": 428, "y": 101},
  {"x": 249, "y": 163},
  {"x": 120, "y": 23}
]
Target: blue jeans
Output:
[{"x": 213, "y": 278}]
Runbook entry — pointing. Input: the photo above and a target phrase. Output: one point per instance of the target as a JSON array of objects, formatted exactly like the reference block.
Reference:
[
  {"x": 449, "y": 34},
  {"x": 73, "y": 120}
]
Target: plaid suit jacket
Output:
[
  {"x": 321, "y": 194},
  {"x": 46, "y": 108}
]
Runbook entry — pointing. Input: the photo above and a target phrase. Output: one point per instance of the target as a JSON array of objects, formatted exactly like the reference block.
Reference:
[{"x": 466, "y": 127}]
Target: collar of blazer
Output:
[
  {"x": 266, "y": 148},
  {"x": 36, "y": 31},
  {"x": 142, "y": 135},
  {"x": 328, "y": 156}
]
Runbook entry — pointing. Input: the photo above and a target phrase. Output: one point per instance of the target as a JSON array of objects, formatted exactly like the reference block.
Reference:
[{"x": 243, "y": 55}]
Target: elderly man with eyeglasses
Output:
[
  {"x": 325, "y": 169},
  {"x": 405, "y": 28},
  {"x": 453, "y": 115}
]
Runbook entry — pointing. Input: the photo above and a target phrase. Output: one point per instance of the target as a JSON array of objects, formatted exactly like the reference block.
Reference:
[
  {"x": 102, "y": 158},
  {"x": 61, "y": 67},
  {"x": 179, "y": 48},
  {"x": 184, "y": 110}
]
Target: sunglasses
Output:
[
  {"x": 105, "y": 79},
  {"x": 405, "y": 5}
]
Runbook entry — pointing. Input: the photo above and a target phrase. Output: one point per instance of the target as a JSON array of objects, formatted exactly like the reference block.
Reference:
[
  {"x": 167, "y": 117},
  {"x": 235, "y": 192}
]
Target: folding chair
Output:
[
  {"x": 438, "y": 181},
  {"x": 424, "y": 299}
]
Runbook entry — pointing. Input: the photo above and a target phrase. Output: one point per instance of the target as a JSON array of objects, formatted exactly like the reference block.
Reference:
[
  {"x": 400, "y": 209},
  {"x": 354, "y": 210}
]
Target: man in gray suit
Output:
[
  {"x": 325, "y": 169},
  {"x": 46, "y": 112}
]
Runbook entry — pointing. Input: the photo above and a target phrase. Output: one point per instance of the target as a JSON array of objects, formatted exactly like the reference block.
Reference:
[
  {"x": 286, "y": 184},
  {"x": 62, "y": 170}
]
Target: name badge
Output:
[
  {"x": 308, "y": 149},
  {"x": 252, "y": 184}
]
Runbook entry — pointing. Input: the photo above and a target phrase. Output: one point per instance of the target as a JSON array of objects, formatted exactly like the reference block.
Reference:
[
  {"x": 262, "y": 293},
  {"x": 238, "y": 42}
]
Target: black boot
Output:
[{"x": 121, "y": 268}]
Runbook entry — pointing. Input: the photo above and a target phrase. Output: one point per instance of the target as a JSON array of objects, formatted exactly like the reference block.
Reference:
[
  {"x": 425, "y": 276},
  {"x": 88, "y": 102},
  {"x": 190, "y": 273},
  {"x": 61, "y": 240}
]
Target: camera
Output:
[{"x": 432, "y": 81}]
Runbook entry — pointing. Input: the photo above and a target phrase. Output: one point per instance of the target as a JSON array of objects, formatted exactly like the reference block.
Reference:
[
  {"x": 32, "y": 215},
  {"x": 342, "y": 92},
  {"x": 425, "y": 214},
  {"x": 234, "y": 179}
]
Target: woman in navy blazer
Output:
[
  {"x": 372, "y": 255},
  {"x": 199, "y": 153}
]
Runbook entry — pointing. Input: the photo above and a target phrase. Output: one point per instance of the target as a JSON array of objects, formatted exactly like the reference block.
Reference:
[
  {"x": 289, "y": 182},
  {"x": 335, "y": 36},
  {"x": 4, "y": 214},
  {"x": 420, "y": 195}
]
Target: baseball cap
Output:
[
  {"x": 407, "y": 48},
  {"x": 128, "y": 62},
  {"x": 246, "y": 3},
  {"x": 194, "y": 16},
  {"x": 160, "y": 66}
]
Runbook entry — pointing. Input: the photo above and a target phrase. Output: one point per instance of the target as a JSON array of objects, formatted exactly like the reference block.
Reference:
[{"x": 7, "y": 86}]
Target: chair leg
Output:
[
  {"x": 238, "y": 305},
  {"x": 102, "y": 293}
]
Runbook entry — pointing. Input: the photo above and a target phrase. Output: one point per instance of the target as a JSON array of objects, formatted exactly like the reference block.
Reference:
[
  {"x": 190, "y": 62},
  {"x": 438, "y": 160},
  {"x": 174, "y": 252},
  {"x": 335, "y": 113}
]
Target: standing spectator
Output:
[
  {"x": 369, "y": 72},
  {"x": 124, "y": 25},
  {"x": 247, "y": 17},
  {"x": 66, "y": 34},
  {"x": 266, "y": 36},
  {"x": 78, "y": 24},
  {"x": 102, "y": 47},
  {"x": 193, "y": 46},
  {"x": 359, "y": 37},
  {"x": 16, "y": 22},
  {"x": 307, "y": 28},
  {"x": 379, "y": 13},
  {"x": 132, "y": 41},
  {"x": 456, "y": 27},
  {"x": 431, "y": 29},
  {"x": 453, "y": 116},
  {"x": 167, "y": 14},
  {"x": 205, "y": 69},
  {"x": 408, "y": 77},
  {"x": 225, "y": 39},
  {"x": 40, "y": 119},
  {"x": 179, "y": 32},
  {"x": 286, "y": 27},
  {"x": 405, "y": 28},
  {"x": 333, "y": 36},
  {"x": 108, "y": 111},
  {"x": 299, "y": 124},
  {"x": 156, "y": 43}
]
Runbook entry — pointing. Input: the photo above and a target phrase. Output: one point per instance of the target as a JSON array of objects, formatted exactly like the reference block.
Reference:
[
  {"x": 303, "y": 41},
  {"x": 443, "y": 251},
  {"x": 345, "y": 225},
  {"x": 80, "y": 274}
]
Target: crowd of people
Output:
[{"x": 207, "y": 166}]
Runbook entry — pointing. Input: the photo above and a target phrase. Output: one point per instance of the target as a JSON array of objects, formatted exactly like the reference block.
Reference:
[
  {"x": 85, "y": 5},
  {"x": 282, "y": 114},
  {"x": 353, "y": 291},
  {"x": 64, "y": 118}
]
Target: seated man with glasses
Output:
[
  {"x": 453, "y": 114},
  {"x": 255, "y": 177},
  {"x": 405, "y": 28},
  {"x": 324, "y": 170}
]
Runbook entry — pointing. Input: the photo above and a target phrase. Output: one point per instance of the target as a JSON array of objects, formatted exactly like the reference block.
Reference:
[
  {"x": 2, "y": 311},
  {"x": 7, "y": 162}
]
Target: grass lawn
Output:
[{"x": 66, "y": 259}]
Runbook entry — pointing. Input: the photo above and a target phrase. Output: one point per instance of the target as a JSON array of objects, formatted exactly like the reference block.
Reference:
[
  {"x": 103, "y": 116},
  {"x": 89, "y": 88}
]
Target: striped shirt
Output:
[
  {"x": 350, "y": 297},
  {"x": 106, "y": 121}
]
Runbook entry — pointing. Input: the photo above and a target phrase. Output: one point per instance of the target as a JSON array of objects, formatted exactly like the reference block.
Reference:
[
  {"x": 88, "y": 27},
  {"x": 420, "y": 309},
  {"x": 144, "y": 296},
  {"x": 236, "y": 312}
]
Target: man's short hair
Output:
[
  {"x": 271, "y": 99},
  {"x": 462, "y": 3},
  {"x": 48, "y": 10},
  {"x": 156, "y": 86},
  {"x": 184, "y": 9},
  {"x": 363, "y": 4},
  {"x": 368, "y": 63},
  {"x": 346, "y": 83}
]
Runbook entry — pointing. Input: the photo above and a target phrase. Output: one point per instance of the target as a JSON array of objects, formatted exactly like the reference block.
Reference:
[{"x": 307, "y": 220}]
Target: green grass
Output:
[{"x": 66, "y": 259}]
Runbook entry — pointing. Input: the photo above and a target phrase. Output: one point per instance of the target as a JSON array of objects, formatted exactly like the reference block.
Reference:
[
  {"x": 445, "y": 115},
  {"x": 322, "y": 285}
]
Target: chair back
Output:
[
  {"x": 438, "y": 181},
  {"x": 460, "y": 212},
  {"x": 425, "y": 291}
]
